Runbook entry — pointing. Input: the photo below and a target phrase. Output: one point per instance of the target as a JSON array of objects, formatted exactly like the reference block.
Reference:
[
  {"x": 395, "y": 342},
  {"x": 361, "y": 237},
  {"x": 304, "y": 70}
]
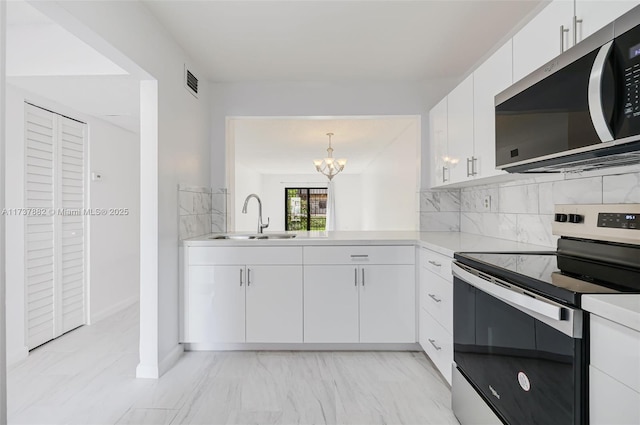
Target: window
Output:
[{"x": 305, "y": 208}]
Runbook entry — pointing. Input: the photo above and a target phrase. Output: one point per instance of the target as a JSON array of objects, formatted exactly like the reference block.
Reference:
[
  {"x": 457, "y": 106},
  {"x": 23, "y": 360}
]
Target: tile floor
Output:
[{"x": 88, "y": 377}]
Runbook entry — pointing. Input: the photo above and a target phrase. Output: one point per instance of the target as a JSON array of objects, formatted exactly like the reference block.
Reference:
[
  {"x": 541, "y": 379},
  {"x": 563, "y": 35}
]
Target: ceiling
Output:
[
  {"x": 375, "y": 40},
  {"x": 289, "y": 145},
  {"x": 47, "y": 60}
]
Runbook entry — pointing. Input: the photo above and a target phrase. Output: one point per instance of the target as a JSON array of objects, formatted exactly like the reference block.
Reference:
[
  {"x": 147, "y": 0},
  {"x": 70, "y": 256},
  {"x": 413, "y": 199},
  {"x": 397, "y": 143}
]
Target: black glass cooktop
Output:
[{"x": 561, "y": 277}]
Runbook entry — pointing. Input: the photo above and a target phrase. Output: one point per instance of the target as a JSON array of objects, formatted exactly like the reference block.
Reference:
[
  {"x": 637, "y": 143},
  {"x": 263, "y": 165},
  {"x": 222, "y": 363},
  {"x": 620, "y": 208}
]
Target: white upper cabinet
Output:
[
  {"x": 460, "y": 129},
  {"x": 492, "y": 77},
  {"x": 439, "y": 138},
  {"x": 540, "y": 40},
  {"x": 592, "y": 15}
]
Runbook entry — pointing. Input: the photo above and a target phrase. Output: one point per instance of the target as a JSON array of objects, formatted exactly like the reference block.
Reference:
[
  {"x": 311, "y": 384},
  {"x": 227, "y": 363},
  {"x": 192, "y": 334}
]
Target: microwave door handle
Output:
[{"x": 596, "y": 109}]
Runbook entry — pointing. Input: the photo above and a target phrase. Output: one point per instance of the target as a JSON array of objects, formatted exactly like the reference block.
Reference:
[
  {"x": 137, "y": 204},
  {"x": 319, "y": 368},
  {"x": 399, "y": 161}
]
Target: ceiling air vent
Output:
[{"x": 190, "y": 82}]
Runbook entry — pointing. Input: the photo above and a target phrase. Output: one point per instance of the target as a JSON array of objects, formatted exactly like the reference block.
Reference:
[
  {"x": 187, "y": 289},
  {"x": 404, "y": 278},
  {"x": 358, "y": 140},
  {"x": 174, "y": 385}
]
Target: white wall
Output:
[
  {"x": 114, "y": 241},
  {"x": 3, "y": 374},
  {"x": 247, "y": 181},
  {"x": 390, "y": 185},
  {"x": 127, "y": 33},
  {"x": 319, "y": 99}
]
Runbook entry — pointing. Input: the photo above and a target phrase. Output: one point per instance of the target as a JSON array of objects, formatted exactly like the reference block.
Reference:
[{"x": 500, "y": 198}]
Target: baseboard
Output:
[
  {"x": 16, "y": 356},
  {"x": 156, "y": 371},
  {"x": 114, "y": 309},
  {"x": 170, "y": 359},
  {"x": 306, "y": 346}
]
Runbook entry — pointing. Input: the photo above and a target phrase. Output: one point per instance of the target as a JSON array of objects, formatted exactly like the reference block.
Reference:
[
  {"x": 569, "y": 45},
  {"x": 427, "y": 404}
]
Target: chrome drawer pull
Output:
[
  {"x": 433, "y": 342},
  {"x": 433, "y": 297},
  {"x": 435, "y": 263}
]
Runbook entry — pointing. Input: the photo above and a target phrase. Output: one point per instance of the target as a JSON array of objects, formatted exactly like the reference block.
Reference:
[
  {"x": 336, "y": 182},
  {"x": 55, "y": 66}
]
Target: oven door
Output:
[{"x": 522, "y": 353}]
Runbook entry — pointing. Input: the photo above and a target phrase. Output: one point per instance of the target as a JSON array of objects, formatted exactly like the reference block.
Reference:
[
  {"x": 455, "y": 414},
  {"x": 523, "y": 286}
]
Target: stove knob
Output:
[
  {"x": 562, "y": 218},
  {"x": 575, "y": 218}
]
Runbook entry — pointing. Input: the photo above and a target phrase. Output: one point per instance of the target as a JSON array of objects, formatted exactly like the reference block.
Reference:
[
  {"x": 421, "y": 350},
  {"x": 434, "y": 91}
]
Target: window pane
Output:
[{"x": 305, "y": 208}]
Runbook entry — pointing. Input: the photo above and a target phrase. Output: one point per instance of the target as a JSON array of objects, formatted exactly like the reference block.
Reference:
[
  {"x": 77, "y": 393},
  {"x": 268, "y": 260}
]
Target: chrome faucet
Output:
[{"x": 261, "y": 225}]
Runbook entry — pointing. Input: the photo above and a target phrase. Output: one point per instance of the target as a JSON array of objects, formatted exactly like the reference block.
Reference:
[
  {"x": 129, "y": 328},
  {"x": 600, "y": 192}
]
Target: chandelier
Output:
[{"x": 329, "y": 166}]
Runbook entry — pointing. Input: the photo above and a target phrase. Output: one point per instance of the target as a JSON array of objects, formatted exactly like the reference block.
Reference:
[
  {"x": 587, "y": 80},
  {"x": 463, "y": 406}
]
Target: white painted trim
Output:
[
  {"x": 17, "y": 356},
  {"x": 149, "y": 291},
  {"x": 170, "y": 359},
  {"x": 115, "y": 308},
  {"x": 301, "y": 347}
]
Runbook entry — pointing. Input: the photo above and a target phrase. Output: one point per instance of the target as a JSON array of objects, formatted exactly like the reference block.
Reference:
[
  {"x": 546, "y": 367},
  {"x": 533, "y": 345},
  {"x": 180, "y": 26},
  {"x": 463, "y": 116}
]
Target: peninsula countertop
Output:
[{"x": 445, "y": 243}]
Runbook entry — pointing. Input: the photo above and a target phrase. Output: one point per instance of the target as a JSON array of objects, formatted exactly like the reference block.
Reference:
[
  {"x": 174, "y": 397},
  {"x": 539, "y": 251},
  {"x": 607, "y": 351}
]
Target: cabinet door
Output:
[
  {"x": 331, "y": 304},
  {"x": 215, "y": 310},
  {"x": 492, "y": 77},
  {"x": 539, "y": 41},
  {"x": 596, "y": 14},
  {"x": 460, "y": 129},
  {"x": 438, "y": 143},
  {"x": 387, "y": 304},
  {"x": 274, "y": 303},
  {"x": 610, "y": 401}
]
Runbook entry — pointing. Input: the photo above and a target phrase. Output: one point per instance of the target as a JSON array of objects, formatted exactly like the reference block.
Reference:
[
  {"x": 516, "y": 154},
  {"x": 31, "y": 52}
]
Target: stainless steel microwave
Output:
[{"x": 579, "y": 112}]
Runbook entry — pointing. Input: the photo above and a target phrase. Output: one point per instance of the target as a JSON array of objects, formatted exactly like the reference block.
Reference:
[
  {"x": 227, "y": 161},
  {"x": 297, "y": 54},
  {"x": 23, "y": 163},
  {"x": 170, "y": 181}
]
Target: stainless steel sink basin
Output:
[{"x": 255, "y": 236}]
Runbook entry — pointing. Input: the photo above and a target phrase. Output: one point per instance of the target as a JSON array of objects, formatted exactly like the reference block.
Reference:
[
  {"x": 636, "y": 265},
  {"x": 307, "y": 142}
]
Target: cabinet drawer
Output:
[
  {"x": 359, "y": 254},
  {"x": 436, "y": 297},
  {"x": 435, "y": 262},
  {"x": 615, "y": 350},
  {"x": 291, "y": 255},
  {"x": 437, "y": 343},
  {"x": 611, "y": 402}
]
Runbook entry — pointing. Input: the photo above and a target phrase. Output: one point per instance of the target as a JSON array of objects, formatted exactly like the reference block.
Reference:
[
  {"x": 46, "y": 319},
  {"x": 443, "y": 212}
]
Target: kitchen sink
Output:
[{"x": 255, "y": 236}]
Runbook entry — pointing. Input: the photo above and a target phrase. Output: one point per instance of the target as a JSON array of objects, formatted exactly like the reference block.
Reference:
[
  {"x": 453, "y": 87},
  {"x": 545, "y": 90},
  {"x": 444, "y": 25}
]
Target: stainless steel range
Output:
[{"x": 520, "y": 337}]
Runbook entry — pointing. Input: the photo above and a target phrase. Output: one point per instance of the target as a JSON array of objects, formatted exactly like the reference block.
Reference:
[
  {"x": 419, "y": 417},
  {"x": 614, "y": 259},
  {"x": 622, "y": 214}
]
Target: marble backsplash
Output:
[
  {"x": 201, "y": 211},
  {"x": 522, "y": 210}
]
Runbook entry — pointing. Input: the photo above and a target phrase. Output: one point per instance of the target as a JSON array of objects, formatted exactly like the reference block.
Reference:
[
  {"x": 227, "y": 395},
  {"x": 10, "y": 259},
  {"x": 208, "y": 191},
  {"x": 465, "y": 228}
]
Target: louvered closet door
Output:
[
  {"x": 40, "y": 132},
  {"x": 55, "y": 259},
  {"x": 70, "y": 228}
]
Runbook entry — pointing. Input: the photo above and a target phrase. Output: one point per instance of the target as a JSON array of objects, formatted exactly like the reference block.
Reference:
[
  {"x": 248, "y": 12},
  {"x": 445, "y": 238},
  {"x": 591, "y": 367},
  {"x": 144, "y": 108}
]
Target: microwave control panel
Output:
[{"x": 632, "y": 84}]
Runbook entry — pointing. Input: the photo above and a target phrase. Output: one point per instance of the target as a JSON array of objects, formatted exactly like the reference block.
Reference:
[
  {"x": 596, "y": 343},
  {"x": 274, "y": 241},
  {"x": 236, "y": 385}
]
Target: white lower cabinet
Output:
[
  {"x": 331, "y": 304},
  {"x": 237, "y": 295},
  {"x": 342, "y": 294},
  {"x": 437, "y": 343},
  {"x": 387, "y": 303},
  {"x": 215, "y": 300},
  {"x": 436, "y": 309},
  {"x": 274, "y": 304},
  {"x": 614, "y": 373},
  {"x": 356, "y": 301}
]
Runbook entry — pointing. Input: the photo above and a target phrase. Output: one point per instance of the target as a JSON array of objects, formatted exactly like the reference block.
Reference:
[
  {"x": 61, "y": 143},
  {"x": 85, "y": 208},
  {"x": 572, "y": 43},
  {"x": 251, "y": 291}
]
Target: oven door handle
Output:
[{"x": 562, "y": 318}]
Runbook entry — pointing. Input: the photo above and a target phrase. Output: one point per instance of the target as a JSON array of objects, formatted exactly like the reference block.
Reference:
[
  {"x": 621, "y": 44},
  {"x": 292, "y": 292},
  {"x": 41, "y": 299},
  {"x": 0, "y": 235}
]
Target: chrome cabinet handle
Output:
[
  {"x": 433, "y": 342},
  {"x": 363, "y": 276},
  {"x": 248, "y": 277},
  {"x": 576, "y": 22},
  {"x": 359, "y": 255},
  {"x": 433, "y": 297},
  {"x": 471, "y": 161},
  {"x": 241, "y": 277},
  {"x": 435, "y": 263},
  {"x": 444, "y": 179},
  {"x": 562, "y": 31},
  {"x": 355, "y": 277}
]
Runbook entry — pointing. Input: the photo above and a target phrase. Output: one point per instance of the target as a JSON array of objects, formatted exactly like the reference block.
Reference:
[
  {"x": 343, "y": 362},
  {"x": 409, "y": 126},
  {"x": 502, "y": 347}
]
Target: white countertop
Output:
[
  {"x": 445, "y": 243},
  {"x": 620, "y": 308}
]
